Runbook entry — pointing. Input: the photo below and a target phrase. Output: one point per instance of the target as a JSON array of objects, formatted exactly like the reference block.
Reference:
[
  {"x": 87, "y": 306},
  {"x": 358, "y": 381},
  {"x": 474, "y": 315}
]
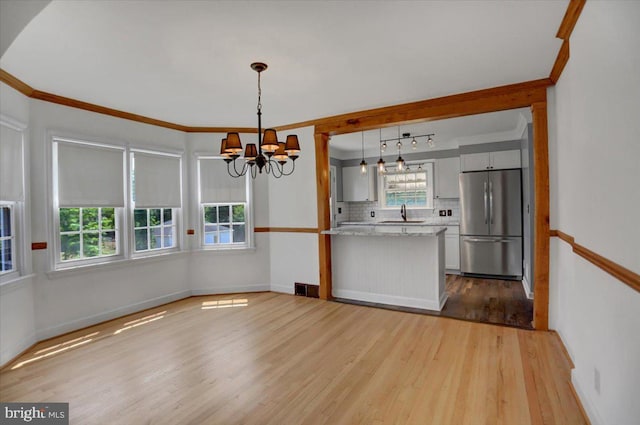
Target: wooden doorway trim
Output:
[{"x": 532, "y": 94}]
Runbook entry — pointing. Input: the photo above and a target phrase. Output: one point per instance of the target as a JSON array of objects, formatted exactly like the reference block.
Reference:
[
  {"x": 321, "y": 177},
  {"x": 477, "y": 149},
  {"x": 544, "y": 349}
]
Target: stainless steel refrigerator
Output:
[{"x": 491, "y": 223}]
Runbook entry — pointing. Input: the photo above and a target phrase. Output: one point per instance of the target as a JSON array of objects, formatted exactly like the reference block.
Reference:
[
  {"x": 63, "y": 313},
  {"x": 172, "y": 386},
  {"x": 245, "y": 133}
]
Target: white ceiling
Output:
[{"x": 187, "y": 62}]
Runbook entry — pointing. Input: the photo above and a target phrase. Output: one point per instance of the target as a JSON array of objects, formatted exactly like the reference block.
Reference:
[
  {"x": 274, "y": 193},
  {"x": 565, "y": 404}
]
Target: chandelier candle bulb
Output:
[
  {"x": 250, "y": 152},
  {"x": 269, "y": 141},
  {"x": 223, "y": 149},
  {"x": 280, "y": 155},
  {"x": 292, "y": 146},
  {"x": 234, "y": 146}
]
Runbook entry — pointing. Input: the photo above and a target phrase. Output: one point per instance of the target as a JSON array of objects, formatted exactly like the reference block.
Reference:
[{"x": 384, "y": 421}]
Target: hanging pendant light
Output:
[
  {"x": 381, "y": 167},
  {"x": 363, "y": 163},
  {"x": 400, "y": 161}
]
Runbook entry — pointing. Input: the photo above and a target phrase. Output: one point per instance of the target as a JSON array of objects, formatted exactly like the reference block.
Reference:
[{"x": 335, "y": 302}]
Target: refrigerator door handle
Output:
[
  {"x": 485, "y": 202},
  {"x": 490, "y": 202},
  {"x": 483, "y": 240}
]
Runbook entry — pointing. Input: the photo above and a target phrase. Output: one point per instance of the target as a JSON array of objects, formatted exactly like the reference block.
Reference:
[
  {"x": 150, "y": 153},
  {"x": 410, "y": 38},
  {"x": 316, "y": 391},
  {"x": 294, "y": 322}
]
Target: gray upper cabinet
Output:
[
  {"x": 499, "y": 160},
  {"x": 358, "y": 187},
  {"x": 447, "y": 170}
]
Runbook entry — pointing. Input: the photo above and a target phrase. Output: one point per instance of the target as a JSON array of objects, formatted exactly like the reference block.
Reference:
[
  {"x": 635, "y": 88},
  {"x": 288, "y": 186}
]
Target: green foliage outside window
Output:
[{"x": 87, "y": 233}]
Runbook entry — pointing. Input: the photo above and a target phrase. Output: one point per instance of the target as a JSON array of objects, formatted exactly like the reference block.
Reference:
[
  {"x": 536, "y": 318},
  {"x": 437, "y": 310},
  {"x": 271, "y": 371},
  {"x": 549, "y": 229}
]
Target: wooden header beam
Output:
[{"x": 476, "y": 102}]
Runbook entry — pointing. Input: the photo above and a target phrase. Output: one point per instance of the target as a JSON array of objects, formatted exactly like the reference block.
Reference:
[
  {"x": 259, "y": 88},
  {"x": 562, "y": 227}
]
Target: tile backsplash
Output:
[{"x": 361, "y": 211}]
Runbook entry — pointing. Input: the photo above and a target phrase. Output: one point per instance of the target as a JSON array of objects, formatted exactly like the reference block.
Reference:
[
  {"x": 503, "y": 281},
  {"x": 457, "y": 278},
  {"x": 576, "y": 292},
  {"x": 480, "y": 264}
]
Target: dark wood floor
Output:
[
  {"x": 488, "y": 301},
  {"x": 501, "y": 302}
]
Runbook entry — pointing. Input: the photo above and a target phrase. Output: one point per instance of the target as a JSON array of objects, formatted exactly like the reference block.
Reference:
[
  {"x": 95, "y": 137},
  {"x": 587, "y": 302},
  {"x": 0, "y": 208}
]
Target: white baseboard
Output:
[
  {"x": 527, "y": 288},
  {"x": 391, "y": 299},
  {"x": 589, "y": 409},
  {"x": 285, "y": 289},
  {"x": 109, "y": 315},
  {"x": 9, "y": 353},
  {"x": 230, "y": 290},
  {"x": 443, "y": 299}
]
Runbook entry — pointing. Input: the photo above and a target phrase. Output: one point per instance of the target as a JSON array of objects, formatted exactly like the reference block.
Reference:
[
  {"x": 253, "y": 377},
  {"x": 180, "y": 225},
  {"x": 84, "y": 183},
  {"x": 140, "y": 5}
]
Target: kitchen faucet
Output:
[{"x": 403, "y": 212}]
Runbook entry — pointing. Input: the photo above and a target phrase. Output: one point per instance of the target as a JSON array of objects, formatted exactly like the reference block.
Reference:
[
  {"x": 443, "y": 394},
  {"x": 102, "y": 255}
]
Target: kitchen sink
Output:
[{"x": 402, "y": 221}]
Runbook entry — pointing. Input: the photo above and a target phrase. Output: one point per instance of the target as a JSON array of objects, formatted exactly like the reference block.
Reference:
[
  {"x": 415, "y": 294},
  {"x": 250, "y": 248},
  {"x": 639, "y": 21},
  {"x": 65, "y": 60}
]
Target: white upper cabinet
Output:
[
  {"x": 447, "y": 170},
  {"x": 357, "y": 186},
  {"x": 499, "y": 160}
]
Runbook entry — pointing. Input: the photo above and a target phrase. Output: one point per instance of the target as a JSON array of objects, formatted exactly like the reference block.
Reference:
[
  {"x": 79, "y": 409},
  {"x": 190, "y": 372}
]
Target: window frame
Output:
[
  {"x": 15, "y": 253},
  {"x": 429, "y": 190},
  {"x": 248, "y": 211},
  {"x": 21, "y": 261},
  {"x": 232, "y": 245},
  {"x": 123, "y": 215},
  {"x": 119, "y": 255}
]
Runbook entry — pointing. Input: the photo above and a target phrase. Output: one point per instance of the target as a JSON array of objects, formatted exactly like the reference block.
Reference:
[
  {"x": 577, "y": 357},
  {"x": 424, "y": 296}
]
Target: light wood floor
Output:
[{"x": 280, "y": 359}]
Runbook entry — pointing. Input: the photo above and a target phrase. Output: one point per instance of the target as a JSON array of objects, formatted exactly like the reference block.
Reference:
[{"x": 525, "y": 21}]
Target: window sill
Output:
[
  {"x": 225, "y": 251},
  {"x": 114, "y": 264}
]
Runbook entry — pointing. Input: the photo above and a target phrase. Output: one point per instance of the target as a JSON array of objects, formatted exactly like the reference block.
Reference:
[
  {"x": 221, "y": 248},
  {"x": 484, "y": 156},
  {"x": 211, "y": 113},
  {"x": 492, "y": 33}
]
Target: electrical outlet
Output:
[
  {"x": 596, "y": 380},
  {"x": 449, "y": 213},
  {"x": 373, "y": 214},
  {"x": 339, "y": 210},
  {"x": 443, "y": 213}
]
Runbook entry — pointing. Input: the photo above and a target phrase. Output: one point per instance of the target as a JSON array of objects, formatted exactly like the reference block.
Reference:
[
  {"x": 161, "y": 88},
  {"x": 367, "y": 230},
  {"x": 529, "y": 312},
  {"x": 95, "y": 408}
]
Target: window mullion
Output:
[
  {"x": 148, "y": 228},
  {"x": 81, "y": 221},
  {"x": 99, "y": 231}
]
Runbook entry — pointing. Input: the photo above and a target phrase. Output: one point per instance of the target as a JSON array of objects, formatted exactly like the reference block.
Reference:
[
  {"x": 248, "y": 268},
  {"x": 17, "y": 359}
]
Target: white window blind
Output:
[
  {"x": 216, "y": 185},
  {"x": 156, "y": 180},
  {"x": 90, "y": 175},
  {"x": 11, "y": 164}
]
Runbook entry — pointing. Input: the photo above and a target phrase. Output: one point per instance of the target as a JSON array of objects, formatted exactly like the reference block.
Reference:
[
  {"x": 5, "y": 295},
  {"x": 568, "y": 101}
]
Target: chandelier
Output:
[{"x": 268, "y": 155}]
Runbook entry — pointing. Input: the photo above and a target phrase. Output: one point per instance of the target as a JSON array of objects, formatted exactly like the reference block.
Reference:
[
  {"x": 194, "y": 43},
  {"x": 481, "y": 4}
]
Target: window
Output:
[
  {"x": 154, "y": 228},
  {"x": 413, "y": 187},
  {"x": 224, "y": 206},
  {"x": 7, "y": 239},
  {"x": 224, "y": 224},
  {"x": 88, "y": 233},
  {"x": 156, "y": 194},
  {"x": 12, "y": 197},
  {"x": 91, "y": 182},
  {"x": 89, "y": 196}
]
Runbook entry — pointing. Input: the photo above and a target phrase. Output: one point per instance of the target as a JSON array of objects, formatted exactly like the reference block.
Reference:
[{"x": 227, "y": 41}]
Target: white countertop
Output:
[
  {"x": 384, "y": 230},
  {"x": 398, "y": 223}
]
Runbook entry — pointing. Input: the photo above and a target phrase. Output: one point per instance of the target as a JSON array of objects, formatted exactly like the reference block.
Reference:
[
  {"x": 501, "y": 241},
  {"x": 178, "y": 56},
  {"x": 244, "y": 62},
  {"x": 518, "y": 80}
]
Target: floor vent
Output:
[{"x": 307, "y": 290}]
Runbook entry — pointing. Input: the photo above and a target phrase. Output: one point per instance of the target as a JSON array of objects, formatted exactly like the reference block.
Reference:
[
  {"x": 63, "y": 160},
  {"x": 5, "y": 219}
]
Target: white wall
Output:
[
  {"x": 293, "y": 203},
  {"x": 594, "y": 172}
]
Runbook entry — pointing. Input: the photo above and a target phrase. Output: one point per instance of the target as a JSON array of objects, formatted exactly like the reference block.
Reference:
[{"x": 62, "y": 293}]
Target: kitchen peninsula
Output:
[{"x": 400, "y": 265}]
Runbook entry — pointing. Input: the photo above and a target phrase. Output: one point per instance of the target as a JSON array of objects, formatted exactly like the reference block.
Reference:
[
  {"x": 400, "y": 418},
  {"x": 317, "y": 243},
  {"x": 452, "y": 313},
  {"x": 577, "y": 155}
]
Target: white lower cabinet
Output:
[{"x": 452, "y": 248}]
